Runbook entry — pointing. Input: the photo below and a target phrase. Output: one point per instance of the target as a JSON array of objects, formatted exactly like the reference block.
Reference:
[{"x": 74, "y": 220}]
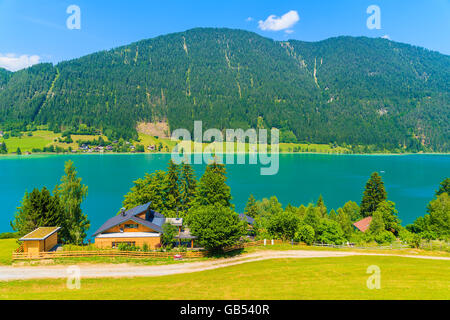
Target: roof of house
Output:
[
  {"x": 155, "y": 224},
  {"x": 364, "y": 224},
  {"x": 247, "y": 218},
  {"x": 41, "y": 233},
  {"x": 150, "y": 224}
]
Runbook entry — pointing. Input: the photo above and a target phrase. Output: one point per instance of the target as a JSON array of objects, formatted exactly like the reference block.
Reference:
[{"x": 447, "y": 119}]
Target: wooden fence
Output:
[
  {"x": 353, "y": 246},
  {"x": 20, "y": 255},
  {"x": 105, "y": 253},
  {"x": 19, "y": 249},
  {"x": 253, "y": 244}
]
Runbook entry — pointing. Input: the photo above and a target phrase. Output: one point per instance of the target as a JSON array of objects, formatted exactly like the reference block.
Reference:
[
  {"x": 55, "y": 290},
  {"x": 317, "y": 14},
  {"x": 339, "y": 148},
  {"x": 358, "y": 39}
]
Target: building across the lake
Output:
[
  {"x": 138, "y": 227},
  {"x": 42, "y": 239}
]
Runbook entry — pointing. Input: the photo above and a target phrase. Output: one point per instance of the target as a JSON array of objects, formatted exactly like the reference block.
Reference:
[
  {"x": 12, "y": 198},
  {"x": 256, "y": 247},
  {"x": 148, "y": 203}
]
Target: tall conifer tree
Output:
[{"x": 374, "y": 194}]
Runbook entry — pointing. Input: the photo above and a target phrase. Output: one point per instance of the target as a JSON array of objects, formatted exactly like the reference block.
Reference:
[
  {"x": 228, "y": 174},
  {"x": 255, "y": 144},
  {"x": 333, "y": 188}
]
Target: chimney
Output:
[{"x": 123, "y": 212}]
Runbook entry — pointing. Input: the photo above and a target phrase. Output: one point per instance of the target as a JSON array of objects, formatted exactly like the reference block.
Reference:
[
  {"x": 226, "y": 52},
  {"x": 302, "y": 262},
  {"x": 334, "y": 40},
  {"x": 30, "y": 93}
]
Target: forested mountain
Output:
[
  {"x": 342, "y": 90},
  {"x": 4, "y": 77}
]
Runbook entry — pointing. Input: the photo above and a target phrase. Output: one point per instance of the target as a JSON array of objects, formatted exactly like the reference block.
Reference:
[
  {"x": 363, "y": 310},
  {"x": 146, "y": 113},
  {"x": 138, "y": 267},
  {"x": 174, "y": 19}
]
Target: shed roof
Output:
[
  {"x": 40, "y": 233},
  {"x": 185, "y": 235},
  {"x": 364, "y": 224}
]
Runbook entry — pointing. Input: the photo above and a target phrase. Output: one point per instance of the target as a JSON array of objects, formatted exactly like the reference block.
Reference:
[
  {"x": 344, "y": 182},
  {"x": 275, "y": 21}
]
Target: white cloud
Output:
[
  {"x": 386, "y": 36},
  {"x": 249, "y": 19},
  {"x": 274, "y": 23},
  {"x": 13, "y": 62},
  {"x": 289, "y": 31}
]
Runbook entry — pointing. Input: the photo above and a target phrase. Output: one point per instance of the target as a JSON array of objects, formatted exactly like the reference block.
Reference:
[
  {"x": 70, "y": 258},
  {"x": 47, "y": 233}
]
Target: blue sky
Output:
[{"x": 35, "y": 30}]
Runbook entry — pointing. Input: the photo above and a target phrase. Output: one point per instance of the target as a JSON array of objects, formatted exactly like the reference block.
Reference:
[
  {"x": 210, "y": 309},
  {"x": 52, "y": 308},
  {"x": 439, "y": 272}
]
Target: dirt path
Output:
[{"x": 8, "y": 273}]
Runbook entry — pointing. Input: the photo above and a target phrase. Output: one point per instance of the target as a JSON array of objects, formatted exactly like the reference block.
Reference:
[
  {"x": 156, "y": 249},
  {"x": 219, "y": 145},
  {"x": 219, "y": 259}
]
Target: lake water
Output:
[{"x": 410, "y": 180}]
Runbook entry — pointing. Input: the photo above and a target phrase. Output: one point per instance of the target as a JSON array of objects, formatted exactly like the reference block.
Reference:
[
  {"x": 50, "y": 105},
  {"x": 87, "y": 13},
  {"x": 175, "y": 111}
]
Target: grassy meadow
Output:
[
  {"x": 279, "y": 279},
  {"x": 7, "y": 246},
  {"x": 45, "y": 138}
]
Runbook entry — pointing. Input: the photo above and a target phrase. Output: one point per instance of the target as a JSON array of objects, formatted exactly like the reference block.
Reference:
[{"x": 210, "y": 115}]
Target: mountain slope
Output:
[
  {"x": 4, "y": 77},
  {"x": 344, "y": 90}
]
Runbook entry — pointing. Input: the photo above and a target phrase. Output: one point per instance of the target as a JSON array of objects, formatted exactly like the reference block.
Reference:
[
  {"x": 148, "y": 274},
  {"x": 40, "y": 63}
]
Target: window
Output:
[{"x": 131, "y": 226}]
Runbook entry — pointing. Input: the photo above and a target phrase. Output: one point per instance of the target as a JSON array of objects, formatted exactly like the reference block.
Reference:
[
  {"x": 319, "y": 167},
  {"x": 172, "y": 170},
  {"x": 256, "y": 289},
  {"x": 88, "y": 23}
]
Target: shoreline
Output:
[{"x": 194, "y": 153}]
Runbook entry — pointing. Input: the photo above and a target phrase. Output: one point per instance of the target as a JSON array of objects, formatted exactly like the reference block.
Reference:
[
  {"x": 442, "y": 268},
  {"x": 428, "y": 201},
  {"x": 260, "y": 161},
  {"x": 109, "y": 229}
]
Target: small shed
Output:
[{"x": 42, "y": 239}]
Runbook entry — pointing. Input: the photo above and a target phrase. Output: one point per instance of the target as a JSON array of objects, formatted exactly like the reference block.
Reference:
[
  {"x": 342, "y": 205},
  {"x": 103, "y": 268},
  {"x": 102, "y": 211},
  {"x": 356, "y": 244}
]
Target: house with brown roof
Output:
[
  {"x": 42, "y": 239},
  {"x": 363, "y": 225}
]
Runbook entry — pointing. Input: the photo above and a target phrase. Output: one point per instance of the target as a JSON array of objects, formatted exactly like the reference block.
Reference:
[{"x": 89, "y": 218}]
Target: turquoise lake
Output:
[{"x": 410, "y": 180}]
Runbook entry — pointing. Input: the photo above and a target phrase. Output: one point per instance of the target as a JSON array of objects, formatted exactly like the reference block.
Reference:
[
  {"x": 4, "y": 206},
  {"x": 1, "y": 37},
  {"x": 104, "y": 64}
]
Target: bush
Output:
[
  {"x": 330, "y": 232},
  {"x": 385, "y": 237},
  {"x": 9, "y": 235},
  {"x": 216, "y": 227},
  {"x": 305, "y": 234},
  {"x": 127, "y": 247},
  {"x": 283, "y": 225},
  {"x": 169, "y": 233}
]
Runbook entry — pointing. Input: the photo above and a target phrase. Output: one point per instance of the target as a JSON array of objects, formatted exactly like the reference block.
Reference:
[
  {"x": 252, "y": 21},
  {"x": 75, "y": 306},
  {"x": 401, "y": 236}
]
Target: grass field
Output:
[
  {"x": 318, "y": 278},
  {"x": 405, "y": 251},
  {"x": 45, "y": 138},
  {"x": 7, "y": 246},
  {"x": 39, "y": 140}
]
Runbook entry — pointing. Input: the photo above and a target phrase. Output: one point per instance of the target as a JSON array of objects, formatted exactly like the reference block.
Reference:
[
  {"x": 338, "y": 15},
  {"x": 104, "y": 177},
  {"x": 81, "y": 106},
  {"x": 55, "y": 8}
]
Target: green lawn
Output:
[
  {"x": 45, "y": 138},
  {"x": 318, "y": 278},
  {"x": 7, "y": 246},
  {"x": 39, "y": 140},
  {"x": 147, "y": 140}
]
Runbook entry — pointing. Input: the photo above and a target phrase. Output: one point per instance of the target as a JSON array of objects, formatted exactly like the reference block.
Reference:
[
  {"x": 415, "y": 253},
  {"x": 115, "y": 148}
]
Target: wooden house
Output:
[
  {"x": 42, "y": 239},
  {"x": 136, "y": 227}
]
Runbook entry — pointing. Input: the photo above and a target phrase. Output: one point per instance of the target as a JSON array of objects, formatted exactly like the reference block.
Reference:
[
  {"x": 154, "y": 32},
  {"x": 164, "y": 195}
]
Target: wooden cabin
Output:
[{"x": 42, "y": 239}]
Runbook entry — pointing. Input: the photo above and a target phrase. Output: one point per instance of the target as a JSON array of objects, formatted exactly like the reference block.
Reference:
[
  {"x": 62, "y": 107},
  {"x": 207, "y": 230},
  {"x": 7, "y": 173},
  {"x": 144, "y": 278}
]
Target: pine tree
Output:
[
  {"x": 312, "y": 217},
  {"x": 374, "y": 194},
  {"x": 344, "y": 220},
  {"x": 18, "y": 152},
  {"x": 444, "y": 187},
  {"x": 3, "y": 148},
  {"x": 217, "y": 167},
  {"x": 390, "y": 216},
  {"x": 251, "y": 208},
  {"x": 172, "y": 191},
  {"x": 352, "y": 210},
  {"x": 38, "y": 209},
  {"x": 332, "y": 215},
  {"x": 321, "y": 205},
  {"x": 377, "y": 225},
  {"x": 212, "y": 188},
  {"x": 149, "y": 189},
  {"x": 188, "y": 186},
  {"x": 72, "y": 194}
]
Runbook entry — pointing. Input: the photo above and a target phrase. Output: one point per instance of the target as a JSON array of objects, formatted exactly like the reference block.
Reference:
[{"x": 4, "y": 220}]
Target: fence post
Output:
[
  {"x": 272, "y": 241},
  {"x": 265, "y": 241}
]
